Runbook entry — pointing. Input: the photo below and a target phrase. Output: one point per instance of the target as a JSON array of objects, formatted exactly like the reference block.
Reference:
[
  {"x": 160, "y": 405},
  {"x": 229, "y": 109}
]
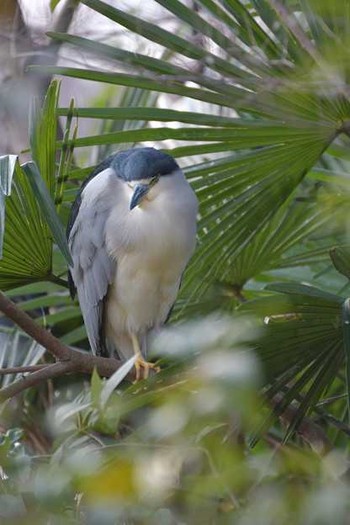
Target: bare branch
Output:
[
  {"x": 22, "y": 369},
  {"x": 69, "y": 360},
  {"x": 35, "y": 378}
]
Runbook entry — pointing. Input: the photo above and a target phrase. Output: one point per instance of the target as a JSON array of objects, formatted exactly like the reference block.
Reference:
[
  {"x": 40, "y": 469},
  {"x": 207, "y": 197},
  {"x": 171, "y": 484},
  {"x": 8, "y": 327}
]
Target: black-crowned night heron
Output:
[{"x": 131, "y": 233}]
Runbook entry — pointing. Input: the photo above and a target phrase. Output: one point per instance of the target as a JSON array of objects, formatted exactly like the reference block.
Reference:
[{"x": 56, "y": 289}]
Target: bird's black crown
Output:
[{"x": 142, "y": 163}]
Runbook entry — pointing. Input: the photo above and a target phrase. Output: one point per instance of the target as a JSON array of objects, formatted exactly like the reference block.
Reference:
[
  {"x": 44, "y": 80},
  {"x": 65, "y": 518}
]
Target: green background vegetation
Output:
[{"x": 248, "y": 422}]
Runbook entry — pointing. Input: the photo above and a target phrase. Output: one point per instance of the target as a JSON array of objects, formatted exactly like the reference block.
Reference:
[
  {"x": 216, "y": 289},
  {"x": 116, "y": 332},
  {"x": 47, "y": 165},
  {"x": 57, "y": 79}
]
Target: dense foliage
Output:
[{"x": 248, "y": 420}]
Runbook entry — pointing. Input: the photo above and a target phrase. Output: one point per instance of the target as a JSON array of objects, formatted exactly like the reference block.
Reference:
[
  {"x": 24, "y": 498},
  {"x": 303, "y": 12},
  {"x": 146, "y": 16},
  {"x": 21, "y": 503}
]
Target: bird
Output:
[{"x": 131, "y": 233}]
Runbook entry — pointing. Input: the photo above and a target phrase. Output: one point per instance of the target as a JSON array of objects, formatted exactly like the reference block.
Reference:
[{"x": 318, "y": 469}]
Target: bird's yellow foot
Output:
[{"x": 143, "y": 367}]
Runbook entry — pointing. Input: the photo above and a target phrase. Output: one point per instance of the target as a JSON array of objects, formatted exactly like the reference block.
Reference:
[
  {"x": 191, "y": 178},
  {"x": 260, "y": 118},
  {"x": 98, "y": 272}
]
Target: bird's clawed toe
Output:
[{"x": 143, "y": 367}]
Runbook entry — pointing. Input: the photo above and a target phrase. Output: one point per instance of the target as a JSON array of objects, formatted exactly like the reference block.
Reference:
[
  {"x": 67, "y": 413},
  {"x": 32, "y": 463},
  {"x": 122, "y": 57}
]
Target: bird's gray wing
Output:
[{"x": 93, "y": 269}]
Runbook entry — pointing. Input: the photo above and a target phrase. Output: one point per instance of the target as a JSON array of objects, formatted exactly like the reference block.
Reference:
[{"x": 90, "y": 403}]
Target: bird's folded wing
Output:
[{"x": 93, "y": 269}]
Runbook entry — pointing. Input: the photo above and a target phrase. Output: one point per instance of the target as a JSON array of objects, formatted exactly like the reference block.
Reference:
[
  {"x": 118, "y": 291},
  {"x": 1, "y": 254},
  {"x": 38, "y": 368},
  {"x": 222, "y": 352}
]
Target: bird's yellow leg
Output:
[{"x": 142, "y": 367}]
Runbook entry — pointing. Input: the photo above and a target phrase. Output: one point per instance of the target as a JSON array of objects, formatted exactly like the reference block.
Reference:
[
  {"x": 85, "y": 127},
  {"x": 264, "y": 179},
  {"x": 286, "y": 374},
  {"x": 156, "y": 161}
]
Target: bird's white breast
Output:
[{"x": 151, "y": 245}]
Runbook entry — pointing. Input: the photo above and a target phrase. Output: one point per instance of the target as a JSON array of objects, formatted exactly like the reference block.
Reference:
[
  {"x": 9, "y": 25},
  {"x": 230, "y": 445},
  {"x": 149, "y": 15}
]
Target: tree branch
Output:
[
  {"x": 22, "y": 369},
  {"x": 35, "y": 378},
  {"x": 69, "y": 360}
]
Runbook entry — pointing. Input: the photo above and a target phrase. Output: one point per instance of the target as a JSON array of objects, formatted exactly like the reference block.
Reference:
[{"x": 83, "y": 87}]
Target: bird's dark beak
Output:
[{"x": 139, "y": 194}]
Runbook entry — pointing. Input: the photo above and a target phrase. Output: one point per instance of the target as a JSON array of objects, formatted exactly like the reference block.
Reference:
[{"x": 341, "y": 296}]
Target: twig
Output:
[
  {"x": 35, "y": 378},
  {"x": 22, "y": 369},
  {"x": 69, "y": 360}
]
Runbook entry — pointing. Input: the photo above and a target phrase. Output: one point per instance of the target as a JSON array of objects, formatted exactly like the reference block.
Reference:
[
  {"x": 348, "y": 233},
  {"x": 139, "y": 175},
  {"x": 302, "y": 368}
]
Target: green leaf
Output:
[
  {"x": 54, "y": 4},
  {"x": 163, "y": 85},
  {"x": 66, "y": 157},
  {"x": 303, "y": 289},
  {"x": 196, "y": 22},
  {"x": 48, "y": 301},
  {"x": 27, "y": 247},
  {"x": 302, "y": 342},
  {"x": 327, "y": 369},
  {"x": 346, "y": 334},
  {"x": 340, "y": 256},
  {"x": 43, "y": 135},
  {"x": 159, "y": 115},
  {"x": 299, "y": 321},
  {"x": 127, "y": 98},
  {"x": 96, "y": 388},
  {"x": 47, "y": 205},
  {"x": 239, "y": 203},
  {"x": 75, "y": 336},
  {"x": 168, "y": 74},
  {"x": 166, "y": 38}
]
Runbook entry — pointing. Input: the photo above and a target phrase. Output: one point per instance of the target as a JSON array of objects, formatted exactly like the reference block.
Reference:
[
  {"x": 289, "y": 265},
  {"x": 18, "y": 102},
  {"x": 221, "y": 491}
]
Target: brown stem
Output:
[{"x": 35, "y": 378}]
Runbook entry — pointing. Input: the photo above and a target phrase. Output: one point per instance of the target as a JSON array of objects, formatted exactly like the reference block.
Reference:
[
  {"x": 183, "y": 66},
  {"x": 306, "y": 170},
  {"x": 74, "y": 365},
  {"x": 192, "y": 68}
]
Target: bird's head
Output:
[
  {"x": 141, "y": 190},
  {"x": 141, "y": 169}
]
